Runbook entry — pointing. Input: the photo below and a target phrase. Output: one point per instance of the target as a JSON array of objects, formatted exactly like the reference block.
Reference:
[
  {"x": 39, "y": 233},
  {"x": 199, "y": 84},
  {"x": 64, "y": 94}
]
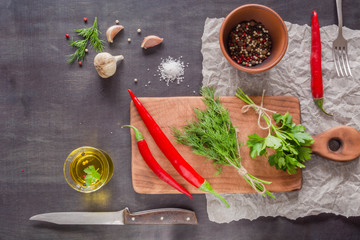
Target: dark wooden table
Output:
[{"x": 49, "y": 107}]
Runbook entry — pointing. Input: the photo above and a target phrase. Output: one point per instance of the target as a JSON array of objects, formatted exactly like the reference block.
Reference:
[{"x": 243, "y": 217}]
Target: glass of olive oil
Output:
[{"x": 81, "y": 159}]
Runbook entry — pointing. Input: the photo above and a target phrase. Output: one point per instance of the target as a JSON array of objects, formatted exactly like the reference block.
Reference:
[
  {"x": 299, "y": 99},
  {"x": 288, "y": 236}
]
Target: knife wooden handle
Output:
[
  {"x": 160, "y": 216},
  {"x": 338, "y": 144}
]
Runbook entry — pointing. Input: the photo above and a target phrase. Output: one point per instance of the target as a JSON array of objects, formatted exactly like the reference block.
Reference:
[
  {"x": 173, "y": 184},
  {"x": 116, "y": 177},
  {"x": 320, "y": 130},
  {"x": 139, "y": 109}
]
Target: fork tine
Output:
[
  {"x": 335, "y": 62},
  {"x": 342, "y": 53},
  {"x": 347, "y": 63}
]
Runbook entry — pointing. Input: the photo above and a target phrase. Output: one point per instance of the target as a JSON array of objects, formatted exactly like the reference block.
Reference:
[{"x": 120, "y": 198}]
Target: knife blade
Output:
[{"x": 154, "y": 216}]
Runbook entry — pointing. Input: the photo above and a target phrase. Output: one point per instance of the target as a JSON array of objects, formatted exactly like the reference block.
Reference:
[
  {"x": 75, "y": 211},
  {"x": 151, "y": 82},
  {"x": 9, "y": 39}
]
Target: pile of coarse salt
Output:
[{"x": 171, "y": 69}]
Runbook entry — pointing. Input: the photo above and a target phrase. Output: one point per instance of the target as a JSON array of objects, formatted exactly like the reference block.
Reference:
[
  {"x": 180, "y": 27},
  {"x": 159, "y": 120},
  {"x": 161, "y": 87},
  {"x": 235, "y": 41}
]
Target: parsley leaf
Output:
[
  {"x": 304, "y": 154},
  {"x": 92, "y": 175},
  {"x": 272, "y": 142},
  {"x": 303, "y": 137},
  {"x": 256, "y": 144}
]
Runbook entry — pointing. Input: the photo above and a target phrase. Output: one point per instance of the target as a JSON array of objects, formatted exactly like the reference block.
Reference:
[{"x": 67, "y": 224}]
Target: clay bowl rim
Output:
[{"x": 249, "y": 69}]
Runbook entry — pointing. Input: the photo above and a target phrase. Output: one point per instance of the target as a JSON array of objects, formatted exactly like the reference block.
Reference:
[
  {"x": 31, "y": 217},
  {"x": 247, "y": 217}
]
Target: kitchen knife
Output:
[{"x": 155, "y": 216}]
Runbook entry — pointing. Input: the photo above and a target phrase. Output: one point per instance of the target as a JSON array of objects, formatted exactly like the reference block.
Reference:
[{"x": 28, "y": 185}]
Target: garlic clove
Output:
[
  {"x": 105, "y": 64},
  {"x": 112, "y": 31},
  {"x": 151, "y": 41}
]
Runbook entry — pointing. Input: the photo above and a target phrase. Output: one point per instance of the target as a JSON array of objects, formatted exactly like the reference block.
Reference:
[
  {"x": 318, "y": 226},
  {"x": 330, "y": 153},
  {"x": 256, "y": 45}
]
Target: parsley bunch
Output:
[
  {"x": 91, "y": 35},
  {"x": 213, "y": 135},
  {"x": 290, "y": 141}
]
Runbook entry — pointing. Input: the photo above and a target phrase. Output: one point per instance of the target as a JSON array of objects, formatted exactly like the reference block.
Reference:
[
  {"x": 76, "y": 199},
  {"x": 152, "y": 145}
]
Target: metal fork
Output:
[{"x": 339, "y": 49}]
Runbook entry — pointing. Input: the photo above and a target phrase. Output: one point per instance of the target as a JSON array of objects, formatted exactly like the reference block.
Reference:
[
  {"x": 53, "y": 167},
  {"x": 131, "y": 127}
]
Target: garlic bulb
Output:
[{"x": 105, "y": 64}]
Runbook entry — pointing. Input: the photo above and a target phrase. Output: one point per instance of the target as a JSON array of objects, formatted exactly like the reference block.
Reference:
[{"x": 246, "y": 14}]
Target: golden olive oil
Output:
[{"x": 82, "y": 158}]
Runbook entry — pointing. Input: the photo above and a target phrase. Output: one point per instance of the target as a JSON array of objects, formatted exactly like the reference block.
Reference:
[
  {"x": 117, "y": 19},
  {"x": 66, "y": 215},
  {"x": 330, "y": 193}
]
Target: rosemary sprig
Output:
[
  {"x": 91, "y": 36},
  {"x": 213, "y": 135}
]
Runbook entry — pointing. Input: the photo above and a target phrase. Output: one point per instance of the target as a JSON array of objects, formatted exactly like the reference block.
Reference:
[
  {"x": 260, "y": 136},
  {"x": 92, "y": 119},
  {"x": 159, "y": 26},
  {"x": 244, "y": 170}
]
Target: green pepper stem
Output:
[
  {"x": 319, "y": 102},
  {"x": 207, "y": 188},
  {"x": 138, "y": 135}
]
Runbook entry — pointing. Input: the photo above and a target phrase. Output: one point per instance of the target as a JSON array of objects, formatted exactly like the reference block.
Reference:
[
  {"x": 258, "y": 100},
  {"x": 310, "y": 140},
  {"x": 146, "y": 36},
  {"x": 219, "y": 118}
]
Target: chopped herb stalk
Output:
[
  {"x": 213, "y": 135},
  {"x": 290, "y": 141}
]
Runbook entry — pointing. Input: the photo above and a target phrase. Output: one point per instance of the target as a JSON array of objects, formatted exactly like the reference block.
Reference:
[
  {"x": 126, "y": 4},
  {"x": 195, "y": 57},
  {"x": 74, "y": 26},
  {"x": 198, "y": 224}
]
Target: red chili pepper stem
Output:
[
  {"x": 319, "y": 102},
  {"x": 207, "y": 188},
  {"x": 153, "y": 164},
  {"x": 315, "y": 64},
  {"x": 178, "y": 162},
  {"x": 138, "y": 136}
]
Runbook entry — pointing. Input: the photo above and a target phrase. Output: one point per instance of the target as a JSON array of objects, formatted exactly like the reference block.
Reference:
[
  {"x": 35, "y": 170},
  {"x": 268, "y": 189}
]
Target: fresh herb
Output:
[
  {"x": 213, "y": 135},
  {"x": 290, "y": 141},
  {"x": 92, "y": 175},
  {"x": 91, "y": 36}
]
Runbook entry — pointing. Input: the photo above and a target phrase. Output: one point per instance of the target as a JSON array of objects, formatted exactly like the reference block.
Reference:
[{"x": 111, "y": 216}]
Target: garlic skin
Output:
[
  {"x": 112, "y": 32},
  {"x": 105, "y": 64}
]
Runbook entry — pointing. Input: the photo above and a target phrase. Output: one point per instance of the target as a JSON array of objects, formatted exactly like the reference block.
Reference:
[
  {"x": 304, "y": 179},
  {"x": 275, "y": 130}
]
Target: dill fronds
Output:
[
  {"x": 213, "y": 135},
  {"x": 91, "y": 36}
]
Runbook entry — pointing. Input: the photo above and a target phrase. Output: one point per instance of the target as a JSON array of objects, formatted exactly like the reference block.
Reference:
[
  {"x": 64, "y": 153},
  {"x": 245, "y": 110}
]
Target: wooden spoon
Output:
[{"x": 338, "y": 144}]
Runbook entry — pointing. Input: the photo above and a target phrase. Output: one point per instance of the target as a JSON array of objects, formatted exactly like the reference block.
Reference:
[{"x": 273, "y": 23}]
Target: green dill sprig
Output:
[
  {"x": 213, "y": 135},
  {"x": 290, "y": 141},
  {"x": 91, "y": 36}
]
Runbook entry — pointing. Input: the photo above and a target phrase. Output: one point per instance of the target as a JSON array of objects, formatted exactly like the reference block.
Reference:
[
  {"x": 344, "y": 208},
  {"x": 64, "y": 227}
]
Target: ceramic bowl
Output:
[{"x": 272, "y": 22}]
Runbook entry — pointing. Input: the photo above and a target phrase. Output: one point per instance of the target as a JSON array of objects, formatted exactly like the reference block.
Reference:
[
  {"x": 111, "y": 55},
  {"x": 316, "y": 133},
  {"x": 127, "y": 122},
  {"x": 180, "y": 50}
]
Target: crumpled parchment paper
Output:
[{"x": 328, "y": 186}]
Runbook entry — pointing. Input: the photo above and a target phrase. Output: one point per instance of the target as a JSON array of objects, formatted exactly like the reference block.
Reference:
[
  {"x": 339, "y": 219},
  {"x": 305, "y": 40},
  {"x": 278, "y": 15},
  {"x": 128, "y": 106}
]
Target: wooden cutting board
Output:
[{"x": 175, "y": 112}]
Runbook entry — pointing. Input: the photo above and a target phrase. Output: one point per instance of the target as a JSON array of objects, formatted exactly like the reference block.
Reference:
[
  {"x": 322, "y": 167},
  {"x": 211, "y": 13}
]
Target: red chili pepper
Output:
[
  {"x": 80, "y": 64},
  {"x": 85, "y": 19},
  {"x": 153, "y": 164},
  {"x": 67, "y": 35},
  {"x": 178, "y": 162},
  {"x": 315, "y": 64}
]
